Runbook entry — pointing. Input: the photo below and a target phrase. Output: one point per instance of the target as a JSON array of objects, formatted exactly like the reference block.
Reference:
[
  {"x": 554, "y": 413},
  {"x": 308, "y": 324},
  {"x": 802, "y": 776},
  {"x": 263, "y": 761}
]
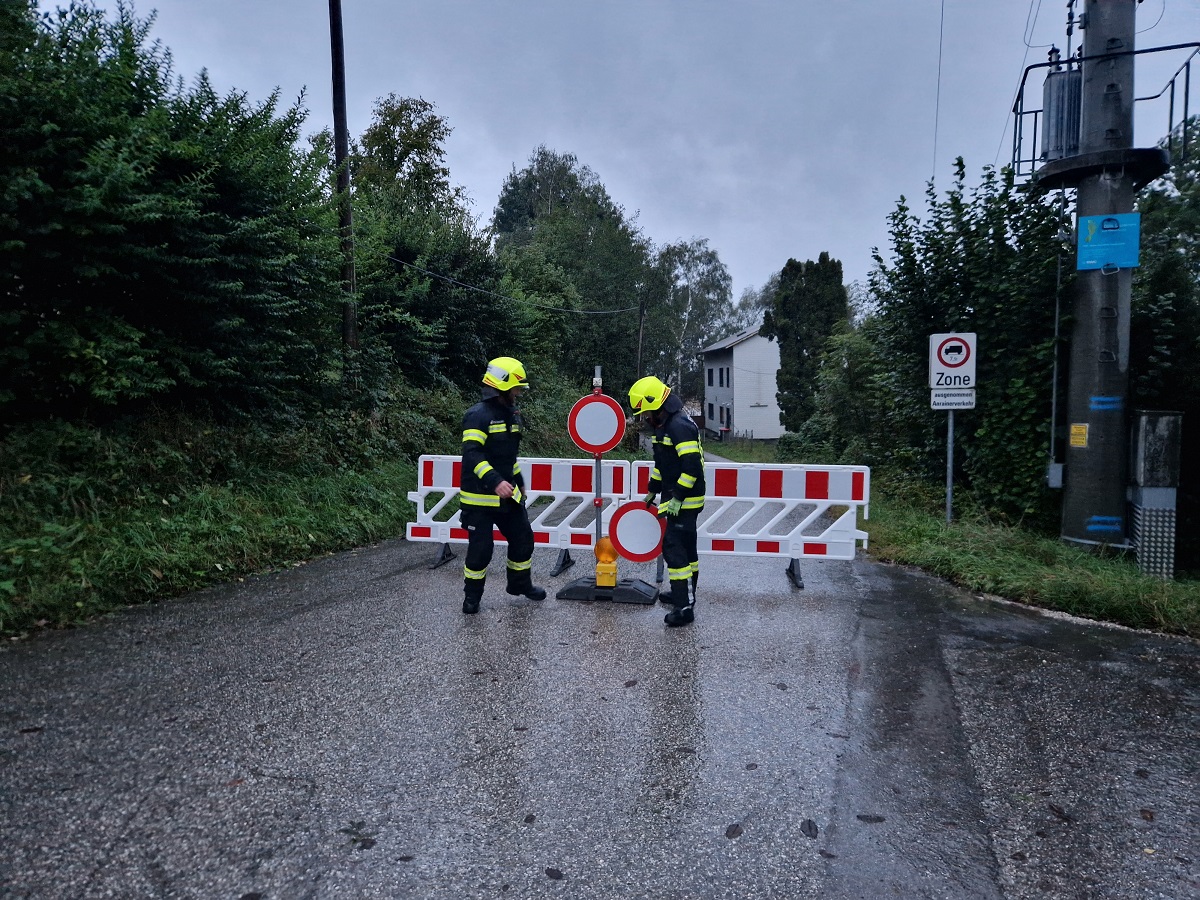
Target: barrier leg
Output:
[
  {"x": 444, "y": 555},
  {"x": 564, "y": 562},
  {"x": 793, "y": 573}
]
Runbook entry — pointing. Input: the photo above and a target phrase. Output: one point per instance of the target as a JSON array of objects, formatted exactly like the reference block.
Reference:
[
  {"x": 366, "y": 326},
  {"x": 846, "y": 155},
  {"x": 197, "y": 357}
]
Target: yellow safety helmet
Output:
[
  {"x": 647, "y": 394},
  {"x": 505, "y": 373}
]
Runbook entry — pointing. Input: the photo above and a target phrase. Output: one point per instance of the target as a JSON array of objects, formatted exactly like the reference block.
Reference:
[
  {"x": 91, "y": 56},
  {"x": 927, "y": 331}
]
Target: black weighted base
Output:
[
  {"x": 564, "y": 562},
  {"x": 627, "y": 590},
  {"x": 793, "y": 574},
  {"x": 444, "y": 555}
]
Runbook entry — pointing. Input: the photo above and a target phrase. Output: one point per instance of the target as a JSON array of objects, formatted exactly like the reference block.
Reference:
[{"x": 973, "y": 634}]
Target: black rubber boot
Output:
[
  {"x": 682, "y": 603},
  {"x": 680, "y": 615},
  {"x": 531, "y": 592},
  {"x": 521, "y": 585},
  {"x": 470, "y": 605}
]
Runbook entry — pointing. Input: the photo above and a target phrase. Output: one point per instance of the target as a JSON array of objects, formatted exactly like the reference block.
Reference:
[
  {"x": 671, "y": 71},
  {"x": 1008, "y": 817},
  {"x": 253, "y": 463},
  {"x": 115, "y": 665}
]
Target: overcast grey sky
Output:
[{"x": 773, "y": 128}]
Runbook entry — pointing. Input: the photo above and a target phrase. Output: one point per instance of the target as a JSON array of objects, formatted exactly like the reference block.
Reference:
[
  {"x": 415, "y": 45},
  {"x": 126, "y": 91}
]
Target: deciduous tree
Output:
[
  {"x": 1165, "y": 322},
  {"x": 562, "y": 208},
  {"x": 697, "y": 304}
]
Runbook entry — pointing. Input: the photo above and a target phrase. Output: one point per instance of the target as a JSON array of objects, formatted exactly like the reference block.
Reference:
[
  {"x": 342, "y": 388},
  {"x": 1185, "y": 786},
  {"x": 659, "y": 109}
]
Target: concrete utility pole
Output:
[
  {"x": 1107, "y": 170},
  {"x": 1097, "y": 458}
]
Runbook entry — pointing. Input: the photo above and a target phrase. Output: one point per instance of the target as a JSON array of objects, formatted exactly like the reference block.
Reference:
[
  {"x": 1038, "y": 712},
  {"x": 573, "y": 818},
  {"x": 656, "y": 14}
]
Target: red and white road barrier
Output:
[{"x": 791, "y": 511}]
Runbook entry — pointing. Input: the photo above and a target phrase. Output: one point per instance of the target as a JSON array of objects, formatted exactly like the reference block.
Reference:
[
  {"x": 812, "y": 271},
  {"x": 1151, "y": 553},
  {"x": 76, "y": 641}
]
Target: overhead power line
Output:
[
  {"x": 937, "y": 102},
  {"x": 1031, "y": 17},
  {"x": 471, "y": 287},
  {"x": 1156, "y": 21}
]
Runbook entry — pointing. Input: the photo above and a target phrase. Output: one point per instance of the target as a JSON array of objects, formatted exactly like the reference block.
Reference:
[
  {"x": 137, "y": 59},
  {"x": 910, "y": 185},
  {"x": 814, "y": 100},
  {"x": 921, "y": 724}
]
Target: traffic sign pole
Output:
[
  {"x": 950, "y": 466},
  {"x": 597, "y": 423}
]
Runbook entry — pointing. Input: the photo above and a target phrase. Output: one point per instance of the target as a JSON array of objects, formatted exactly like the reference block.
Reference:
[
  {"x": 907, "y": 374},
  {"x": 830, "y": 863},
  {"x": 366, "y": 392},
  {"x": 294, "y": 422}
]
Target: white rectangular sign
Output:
[
  {"x": 951, "y": 361},
  {"x": 958, "y": 399}
]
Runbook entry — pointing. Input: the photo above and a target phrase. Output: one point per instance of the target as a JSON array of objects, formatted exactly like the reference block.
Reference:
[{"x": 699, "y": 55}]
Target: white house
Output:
[{"x": 739, "y": 386}]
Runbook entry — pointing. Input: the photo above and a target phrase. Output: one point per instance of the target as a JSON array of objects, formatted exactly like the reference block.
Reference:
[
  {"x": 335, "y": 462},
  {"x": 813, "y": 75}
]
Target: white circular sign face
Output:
[
  {"x": 637, "y": 531},
  {"x": 596, "y": 423}
]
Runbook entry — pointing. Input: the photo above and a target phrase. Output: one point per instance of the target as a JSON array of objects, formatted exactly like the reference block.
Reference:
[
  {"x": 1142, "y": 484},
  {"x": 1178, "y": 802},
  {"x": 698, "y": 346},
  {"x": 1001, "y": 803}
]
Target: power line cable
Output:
[
  {"x": 937, "y": 103},
  {"x": 1030, "y": 23},
  {"x": 1030, "y": 26},
  {"x": 471, "y": 287},
  {"x": 1156, "y": 21}
]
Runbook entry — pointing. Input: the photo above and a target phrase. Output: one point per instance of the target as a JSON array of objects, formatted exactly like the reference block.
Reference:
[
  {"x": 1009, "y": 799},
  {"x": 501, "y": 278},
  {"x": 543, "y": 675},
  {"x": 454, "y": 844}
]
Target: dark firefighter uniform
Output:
[
  {"x": 491, "y": 441},
  {"x": 678, "y": 476}
]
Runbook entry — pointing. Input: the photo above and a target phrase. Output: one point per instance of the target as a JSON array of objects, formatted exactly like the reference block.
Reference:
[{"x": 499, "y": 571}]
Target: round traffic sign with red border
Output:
[
  {"x": 596, "y": 423},
  {"x": 944, "y": 350},
  {"x": 637, "y": 532}
]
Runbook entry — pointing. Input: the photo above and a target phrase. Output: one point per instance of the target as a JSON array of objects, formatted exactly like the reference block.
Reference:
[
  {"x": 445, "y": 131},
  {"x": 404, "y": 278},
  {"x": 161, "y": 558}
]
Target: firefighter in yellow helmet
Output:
[
  {"x": 678, "y": 475},
  {"x": 492, "y": 491}
]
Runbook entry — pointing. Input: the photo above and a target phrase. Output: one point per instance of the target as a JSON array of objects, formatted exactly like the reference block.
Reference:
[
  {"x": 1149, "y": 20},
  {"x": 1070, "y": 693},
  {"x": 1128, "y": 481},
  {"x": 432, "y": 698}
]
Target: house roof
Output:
[{"x": 730, "y": 342}]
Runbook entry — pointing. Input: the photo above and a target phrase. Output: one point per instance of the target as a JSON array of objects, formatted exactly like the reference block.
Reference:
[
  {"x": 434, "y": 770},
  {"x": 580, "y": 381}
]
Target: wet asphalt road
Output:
[{"x": 341, "y": 730}]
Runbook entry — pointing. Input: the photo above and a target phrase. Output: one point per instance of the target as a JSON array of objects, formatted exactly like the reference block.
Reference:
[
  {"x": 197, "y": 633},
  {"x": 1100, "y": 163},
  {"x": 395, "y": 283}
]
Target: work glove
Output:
[
  {"x": 671, "y": 507},
  {"x": 649, "y": 498}
]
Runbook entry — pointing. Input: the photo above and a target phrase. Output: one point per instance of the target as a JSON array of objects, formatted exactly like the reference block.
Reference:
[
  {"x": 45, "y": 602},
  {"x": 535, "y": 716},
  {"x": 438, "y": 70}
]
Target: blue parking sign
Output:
[{"x": 1109, "y": 242}]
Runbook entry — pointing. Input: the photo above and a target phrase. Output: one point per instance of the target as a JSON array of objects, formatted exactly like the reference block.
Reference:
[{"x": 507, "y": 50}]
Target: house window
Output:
[
  {"x": 722, "y": 415},
  {"x": 710, "y": 385},
  {"x": 710, "y": 406},
  {"x": 721, "y": 373},
  {"x": 729, "y": 376}
]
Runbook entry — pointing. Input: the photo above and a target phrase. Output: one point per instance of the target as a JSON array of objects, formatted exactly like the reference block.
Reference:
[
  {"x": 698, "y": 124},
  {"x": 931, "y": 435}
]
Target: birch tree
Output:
[{"x": 698, "y": 301}]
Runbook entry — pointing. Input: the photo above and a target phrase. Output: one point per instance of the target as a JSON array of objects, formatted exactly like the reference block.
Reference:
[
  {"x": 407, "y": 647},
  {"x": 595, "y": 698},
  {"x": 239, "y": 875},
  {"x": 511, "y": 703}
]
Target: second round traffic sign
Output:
[
  {"x": 637, "y": 531},
  {"x": 596, "y": 423}
]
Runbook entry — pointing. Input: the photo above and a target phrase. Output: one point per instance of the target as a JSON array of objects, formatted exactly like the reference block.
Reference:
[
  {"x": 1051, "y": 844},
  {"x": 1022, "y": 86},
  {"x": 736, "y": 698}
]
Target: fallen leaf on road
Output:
[{"x": 1060, "y": 812}]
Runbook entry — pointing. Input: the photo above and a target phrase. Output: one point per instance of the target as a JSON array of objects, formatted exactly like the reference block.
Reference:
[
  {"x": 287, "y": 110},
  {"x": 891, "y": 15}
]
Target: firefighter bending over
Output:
[{"x": 679, "y": 476}]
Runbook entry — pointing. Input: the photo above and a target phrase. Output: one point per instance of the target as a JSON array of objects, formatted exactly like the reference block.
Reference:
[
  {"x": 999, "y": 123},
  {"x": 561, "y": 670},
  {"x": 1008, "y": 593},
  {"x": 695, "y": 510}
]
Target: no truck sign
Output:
[{"x": 951, "y": 361}]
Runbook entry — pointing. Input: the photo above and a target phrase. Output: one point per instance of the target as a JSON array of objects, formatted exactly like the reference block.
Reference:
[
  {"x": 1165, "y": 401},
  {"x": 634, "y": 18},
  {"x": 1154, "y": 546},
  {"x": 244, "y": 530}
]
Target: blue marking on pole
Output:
[
  {"x": 1105, "y": 523},
  {"x": 1105, "y": 404}
]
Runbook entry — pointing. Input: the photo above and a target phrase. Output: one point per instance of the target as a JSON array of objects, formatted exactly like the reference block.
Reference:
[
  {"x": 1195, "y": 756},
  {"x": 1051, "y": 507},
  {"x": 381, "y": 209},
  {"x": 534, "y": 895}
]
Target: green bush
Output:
[{"x": 93, "y": 518}]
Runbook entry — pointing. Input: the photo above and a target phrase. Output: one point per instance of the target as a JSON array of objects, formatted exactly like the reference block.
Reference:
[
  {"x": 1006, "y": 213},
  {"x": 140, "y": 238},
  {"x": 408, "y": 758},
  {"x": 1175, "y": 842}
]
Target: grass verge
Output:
[
  {"x": 75, "y": 569},
  {"x": 1039, "y": 571},
  {"x": 1009, "y": 561}
]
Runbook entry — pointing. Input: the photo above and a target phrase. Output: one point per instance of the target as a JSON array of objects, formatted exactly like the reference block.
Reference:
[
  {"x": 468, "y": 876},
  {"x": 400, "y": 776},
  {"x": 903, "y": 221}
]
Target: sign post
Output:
[
  {"x": 952, "y": 386},
  {"x": 597, "y": 424}
]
